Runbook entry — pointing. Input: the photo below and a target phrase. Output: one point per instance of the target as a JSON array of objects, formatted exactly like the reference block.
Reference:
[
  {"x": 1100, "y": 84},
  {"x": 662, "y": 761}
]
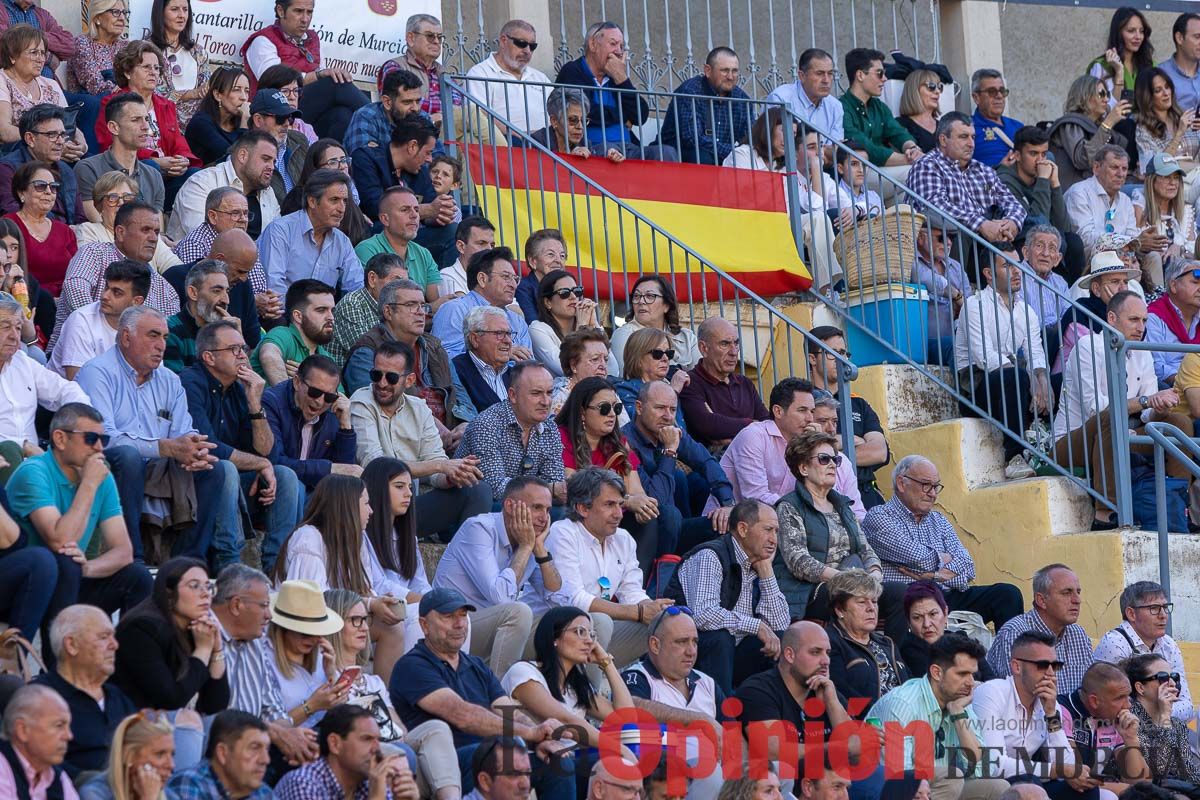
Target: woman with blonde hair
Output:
[
  {"x": 1085, "y": 126},
  {"x": 90, "y": 69},
  {"x": 140, "y": 761},
  {"x": 1167, "y": 211},
  {"x": 920, "y": 107},
  {"x": 647, "y": 357},
  {"x": 111, "y": 191}
]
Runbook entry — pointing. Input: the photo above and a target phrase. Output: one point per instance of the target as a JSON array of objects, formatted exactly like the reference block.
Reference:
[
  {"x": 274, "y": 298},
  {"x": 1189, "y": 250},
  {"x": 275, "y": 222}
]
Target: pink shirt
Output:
[
  {"x": 755, "y": 465},
  {"x": 38, "y": 784}
]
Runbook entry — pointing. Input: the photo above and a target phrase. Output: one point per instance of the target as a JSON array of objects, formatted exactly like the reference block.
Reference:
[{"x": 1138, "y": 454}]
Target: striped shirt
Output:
[
  {"x": 197, "y": 244},
  {"x": 913, "y": 702},
  {"x": 253, "y": 686}
]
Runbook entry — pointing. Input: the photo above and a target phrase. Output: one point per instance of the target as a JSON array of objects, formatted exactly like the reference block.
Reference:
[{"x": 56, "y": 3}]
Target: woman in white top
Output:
[
  {"x": 186, "y": 73},
  {"x": 330, "y": 549},
  {"x": 556, "y": 684},
  {"x": 432, "y": 742},
  {"x": 562, "y": 308},
  {"x": 765, "y": 152},
  {"x": 1164, "y": 210},
  {"x": 300, "y": 654},
  {"x": 111, "y": 191},
  {"x": 652, "y": 304}
]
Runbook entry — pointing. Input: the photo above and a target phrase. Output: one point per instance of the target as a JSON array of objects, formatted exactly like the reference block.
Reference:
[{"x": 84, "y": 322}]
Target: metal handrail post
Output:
[
  {"x": 1115, "y": 373},
  {"x": 1164, "y": 539}
]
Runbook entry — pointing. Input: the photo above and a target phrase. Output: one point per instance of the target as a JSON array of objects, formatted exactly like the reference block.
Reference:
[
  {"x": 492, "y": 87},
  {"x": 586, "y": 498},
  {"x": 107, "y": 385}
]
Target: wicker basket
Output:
[{"x": 879, "y": 250}]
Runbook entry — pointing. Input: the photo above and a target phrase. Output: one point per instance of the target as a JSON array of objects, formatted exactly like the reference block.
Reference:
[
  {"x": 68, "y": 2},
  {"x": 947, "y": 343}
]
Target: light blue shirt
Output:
[
  {"x": 138, "y": 416},
  {"x": 913, "y": 702},
  {"x": 1166, "y": 364},
  {"x": 826, "y": 118},
  {"x": 289, "y": 253},
  {"x": 476, "y": 563},
  {"x": 941, "y": 307},
  {"x": 1187, "y": 90},
  {"x": 1050, "y": 301},
  {"x": 448, "y": 323}
]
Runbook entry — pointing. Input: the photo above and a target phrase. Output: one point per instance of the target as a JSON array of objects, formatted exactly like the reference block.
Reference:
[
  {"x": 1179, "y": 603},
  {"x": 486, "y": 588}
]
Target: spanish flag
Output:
[{"x": 733, "y": 219}]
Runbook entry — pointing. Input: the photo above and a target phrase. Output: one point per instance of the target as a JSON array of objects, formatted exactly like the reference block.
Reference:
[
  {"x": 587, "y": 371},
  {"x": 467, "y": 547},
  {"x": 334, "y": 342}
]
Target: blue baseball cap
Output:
[{"x": 444, "y": 601}]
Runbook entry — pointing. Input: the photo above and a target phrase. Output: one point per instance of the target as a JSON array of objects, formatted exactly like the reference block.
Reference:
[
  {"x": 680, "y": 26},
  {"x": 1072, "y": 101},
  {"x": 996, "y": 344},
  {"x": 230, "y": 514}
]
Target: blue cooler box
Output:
[{"x": 898, "y": 313}]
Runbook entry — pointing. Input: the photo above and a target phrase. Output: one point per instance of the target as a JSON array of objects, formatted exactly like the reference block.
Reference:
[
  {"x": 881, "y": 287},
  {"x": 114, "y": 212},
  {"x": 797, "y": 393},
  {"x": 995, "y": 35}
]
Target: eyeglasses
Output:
[
  {"x": 507, "y": 277},
  {"x": 644, "y": 299},
  {"x": 207, "y": 586},
  {"x": 236, "y": 349},
  {"x": 116, "y": 12},
  {"x": 523, "y": 44},
  {"x": 995, "y": 91},
  {"x": 607, "y": 409},
  {"x": 583, "y": 632},
  {"x": 628, "y": 791},
  {"x": 156, "y": 68},
  {"x": 359, "y": 620},
  {"x": 114, "y": 199},
  {"x": 235, "y": 214},
  {"x": 605, "y": 587},
  {"x": 334, "y": 163},
  {"x": 1161, "y": 677},
  {"x": 563, "y": 294},
  {"x": 934, "y": 87},
  {"x": 926, "y": 486},
  {"x": 54, "y": 136},
  {"x": 378, "y": 376},
  {"x": 411, "y": 306},
  {"x": 91, "y": 438},
  {"x": 1042, "y": 664},
  {"x": 433, "y": 37},
  {"x": 36, "y": 54},
  {"x": 45, "y": 186},
  {"x": 290, "y": 93},
  {"x": 825, "y": 459},
  {"x": 315, "y": 393},
  {"x": 659, "y": 355},
  {"x": 501, "y": 334},
  {"x": 1159, "y": 609},
  {"x": 669, "y": 611}
]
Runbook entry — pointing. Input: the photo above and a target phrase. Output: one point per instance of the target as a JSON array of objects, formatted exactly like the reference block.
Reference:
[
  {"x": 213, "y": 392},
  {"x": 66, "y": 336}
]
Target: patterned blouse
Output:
[
  {"x": 90, "y": 60},
  {"x": 48, "y": 92},
  {"x": 176, "y": 60},
  {"x": 1166, "y": 750}
]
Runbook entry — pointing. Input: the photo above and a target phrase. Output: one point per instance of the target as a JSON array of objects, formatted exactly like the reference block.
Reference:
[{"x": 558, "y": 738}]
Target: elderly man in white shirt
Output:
[
  {"x": 1097, "y": 205},
  {"x": 598, "y": 563},
  {"x": 998, "y": 351},
  {"x": 1083, "y": 425},
  {"x": 497, "y": 561},
  {"x": 1145, "y": 610},
  {"x": 510, "y": 85},
  {"x": 1019, "y": 715},
  {"x": 24, "y": 385}
]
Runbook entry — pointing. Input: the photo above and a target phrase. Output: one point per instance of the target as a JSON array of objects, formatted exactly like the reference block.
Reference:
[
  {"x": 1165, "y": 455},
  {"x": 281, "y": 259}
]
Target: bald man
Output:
[
  {"x": 719, "y": 401},
  {"x": 603, "y": 785},
  {"x": 37, "y": 730},
  {"x": 1025, "y": 791},
  {"x": 239, "y": 253}
]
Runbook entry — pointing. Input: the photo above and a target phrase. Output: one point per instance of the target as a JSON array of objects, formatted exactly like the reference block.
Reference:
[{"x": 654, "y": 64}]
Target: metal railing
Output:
[
  {"x": 612, "y": 244},
  {"x": 667, "y": 40}
]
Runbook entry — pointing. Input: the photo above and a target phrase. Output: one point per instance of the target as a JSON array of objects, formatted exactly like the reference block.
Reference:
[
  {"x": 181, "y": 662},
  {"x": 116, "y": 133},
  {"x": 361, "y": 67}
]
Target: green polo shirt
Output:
[
  {"x": 873, "y": 126},
  {"x": 422, "y": 269},
  {"x": 287, "y": 338},
  {"x": 39, "y": 482}
]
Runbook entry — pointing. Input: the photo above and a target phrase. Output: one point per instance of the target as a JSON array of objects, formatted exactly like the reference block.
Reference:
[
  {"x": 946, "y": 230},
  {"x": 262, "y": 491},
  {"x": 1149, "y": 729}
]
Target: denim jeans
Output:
[
  {"x": 282, "y": 516},
  {"x": 129, "y": 472},
  {"x": 219, "y": 529},
  {"x": 120, "y": 591},
  {"x": 25, "y": 580}
]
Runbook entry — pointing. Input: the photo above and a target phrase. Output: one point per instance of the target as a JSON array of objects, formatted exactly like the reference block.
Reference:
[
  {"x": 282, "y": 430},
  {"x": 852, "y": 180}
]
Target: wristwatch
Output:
[
  {"x": 1144, "y": 401},
  {"x": 546, "y": 559},
  {"x": 959, "y": 717},
  {"x": 1054, "y": 722},
  {"x": 258, "y": 415}
]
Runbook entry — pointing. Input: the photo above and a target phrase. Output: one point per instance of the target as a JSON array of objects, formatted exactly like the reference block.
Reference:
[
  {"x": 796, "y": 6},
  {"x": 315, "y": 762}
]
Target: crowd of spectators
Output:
[{"x": 255, "y": 352}]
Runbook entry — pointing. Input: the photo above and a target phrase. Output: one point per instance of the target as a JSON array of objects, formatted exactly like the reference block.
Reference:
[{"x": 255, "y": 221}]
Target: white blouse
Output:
[{"x": 306, "y": 560}]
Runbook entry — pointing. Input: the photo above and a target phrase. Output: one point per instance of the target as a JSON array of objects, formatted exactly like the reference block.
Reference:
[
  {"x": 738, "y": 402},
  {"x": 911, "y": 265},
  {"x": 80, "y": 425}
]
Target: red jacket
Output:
[
  {"x": 170, "y": 136},
  {"x": 289, "y": 54},
  {"x": 61, "y": 42}
]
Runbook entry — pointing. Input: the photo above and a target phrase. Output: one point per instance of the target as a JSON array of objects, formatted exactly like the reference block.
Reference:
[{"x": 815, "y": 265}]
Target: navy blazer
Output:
[
  {"x": 479, "y": 390},
  {"x": 330, "y": 444}
]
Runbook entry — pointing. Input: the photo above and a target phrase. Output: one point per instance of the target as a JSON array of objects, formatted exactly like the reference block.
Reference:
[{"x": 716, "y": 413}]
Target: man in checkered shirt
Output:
[{"x": 915, "y": 542}]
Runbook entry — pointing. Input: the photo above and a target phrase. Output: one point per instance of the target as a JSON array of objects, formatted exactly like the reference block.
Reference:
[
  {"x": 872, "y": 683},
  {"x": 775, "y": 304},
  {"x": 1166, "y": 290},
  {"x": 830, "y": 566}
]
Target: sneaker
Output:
[{"x": 1018, "y": 468}]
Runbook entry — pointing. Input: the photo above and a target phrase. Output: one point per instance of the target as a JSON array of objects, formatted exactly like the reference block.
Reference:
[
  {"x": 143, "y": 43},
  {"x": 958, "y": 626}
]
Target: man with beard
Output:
[
  {"x": 207, "y": 301},
  {"x": 225, "y": 400},
  {"x": 738, "y": 611},
  {"x": 371, "y": 125},
  {"x": 248, "y": 169},
  {"x": 135, "y": 236},
  {"x": 235, "y": 249},
  {"x": 310, "y": 421},
  {"x": 309, "y": 307},
  {"x": 942, "y": 700},
  {"x": 308, "y": 244},
  {"x": 389, "y": 423}
]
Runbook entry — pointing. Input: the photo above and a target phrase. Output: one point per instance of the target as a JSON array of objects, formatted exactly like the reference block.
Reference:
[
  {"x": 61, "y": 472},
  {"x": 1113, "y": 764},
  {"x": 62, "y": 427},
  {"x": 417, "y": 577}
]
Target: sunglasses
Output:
[
  {"x": 659, "y": 355},
  {"x": 527, "y": 465},
  {"x": 176, "y": 69},
  {"x": 378, "y": 375},
  {"x": 563, "y": 294},
  {"x": 1042, "y": 663},
  {"x": 605, "y": 409},
  {"x": 523, "y": 44},
  {"x": 1162, "y": 677},
  {"x": 995, "y": 91},
  {"x": 45, "y": 186},
  {"x": 91, "y": 438},
  {"x": 669, "y": 611},
  {"x": 825, "y": 459},
  {"x": 605, "y": 587},
  {"x": 315, "y": 393},
  {"x": 934, "y": 87}
]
